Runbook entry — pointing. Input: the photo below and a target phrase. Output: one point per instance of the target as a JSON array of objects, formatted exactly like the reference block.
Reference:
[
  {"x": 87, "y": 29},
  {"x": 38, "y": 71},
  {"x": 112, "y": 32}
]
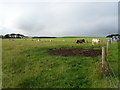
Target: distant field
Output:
[{"x": 27, "y": 64}]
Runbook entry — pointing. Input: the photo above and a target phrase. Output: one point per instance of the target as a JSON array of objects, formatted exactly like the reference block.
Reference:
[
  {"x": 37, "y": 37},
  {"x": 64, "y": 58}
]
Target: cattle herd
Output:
[
  {"x": 114, "y": 38},
  {"x": 94, "y": 41}
]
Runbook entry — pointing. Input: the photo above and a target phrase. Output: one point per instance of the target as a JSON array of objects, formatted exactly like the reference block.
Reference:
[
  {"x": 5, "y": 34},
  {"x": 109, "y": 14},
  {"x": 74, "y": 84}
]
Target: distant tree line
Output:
[
  {"x": 113, "y": 35},
  {"x": 13, "y": 35}
]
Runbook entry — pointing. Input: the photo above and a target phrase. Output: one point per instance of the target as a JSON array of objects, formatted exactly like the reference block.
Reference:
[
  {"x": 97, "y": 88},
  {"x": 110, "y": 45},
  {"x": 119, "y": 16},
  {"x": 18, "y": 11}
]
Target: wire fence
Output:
[{"x": 111, "y": 77}]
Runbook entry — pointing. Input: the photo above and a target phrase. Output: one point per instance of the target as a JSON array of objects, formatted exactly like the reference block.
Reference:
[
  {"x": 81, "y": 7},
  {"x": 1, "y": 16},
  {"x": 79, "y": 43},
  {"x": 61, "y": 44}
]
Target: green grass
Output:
[
  {"x": 26, "y": 64},
  {"x": 113, "y": 56},
  {"x": 113, "y": 60},
  {"x": 1, "y": 63}
]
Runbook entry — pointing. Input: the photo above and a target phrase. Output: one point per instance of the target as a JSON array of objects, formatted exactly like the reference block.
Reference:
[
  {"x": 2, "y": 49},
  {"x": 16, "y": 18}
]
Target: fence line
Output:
[
  {"x": 112, "y": 71},
  {"x": 113, "y": 83},
  {"x": 106, "y": 67},
  {"x": 109, "y": 82}
]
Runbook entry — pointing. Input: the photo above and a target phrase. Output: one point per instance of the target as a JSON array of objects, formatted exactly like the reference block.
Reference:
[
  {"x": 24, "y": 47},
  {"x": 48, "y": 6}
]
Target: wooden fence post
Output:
[
  {"x": 103, "y": 61},
  {"x": 107, "y": 46}
]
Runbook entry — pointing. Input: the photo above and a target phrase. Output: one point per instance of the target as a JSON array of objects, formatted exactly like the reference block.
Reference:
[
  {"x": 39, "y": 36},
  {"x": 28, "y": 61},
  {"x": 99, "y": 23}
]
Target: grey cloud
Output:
[
  {"x": 29, "y": 25},
  {"x": 62, "y": 19}
]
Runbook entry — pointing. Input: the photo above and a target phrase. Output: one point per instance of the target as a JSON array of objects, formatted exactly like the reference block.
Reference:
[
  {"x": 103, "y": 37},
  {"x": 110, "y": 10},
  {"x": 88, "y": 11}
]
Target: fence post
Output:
[
  {"x": 107, "y": 46},
  {"x": 103, "y": 61}
]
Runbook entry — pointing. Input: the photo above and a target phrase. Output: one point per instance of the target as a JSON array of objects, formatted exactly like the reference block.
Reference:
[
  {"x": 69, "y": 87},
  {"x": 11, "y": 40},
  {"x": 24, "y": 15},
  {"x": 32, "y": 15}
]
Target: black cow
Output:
[{"x": 80, "y": 41}]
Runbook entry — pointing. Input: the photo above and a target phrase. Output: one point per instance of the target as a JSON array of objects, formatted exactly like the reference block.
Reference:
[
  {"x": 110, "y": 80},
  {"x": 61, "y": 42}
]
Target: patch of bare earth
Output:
[{"x": 75, "y": 51}]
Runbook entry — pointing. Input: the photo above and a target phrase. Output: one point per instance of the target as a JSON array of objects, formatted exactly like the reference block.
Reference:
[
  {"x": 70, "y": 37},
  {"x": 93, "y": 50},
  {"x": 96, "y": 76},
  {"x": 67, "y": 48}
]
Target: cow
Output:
[
  {"x": 50, "y": 40},
  {"x": 38, "y": 40},
  {"x": 80, "y": 41},
  {"x": 95, "y": 41}
]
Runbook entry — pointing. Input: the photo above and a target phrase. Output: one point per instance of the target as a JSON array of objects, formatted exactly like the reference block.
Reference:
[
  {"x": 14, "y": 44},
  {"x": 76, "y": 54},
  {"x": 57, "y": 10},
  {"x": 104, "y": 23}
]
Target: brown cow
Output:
[{"x": 80, "y": 41}]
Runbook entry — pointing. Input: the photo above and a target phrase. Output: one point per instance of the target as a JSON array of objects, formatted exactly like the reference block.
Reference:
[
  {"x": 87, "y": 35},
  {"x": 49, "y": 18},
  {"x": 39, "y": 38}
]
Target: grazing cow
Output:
[
  {"x": 80, "y": 41},
  {"x": 37, "y": 40},
  {"x": 97, "y": 41},
  {"x": 50, "y": 40}
]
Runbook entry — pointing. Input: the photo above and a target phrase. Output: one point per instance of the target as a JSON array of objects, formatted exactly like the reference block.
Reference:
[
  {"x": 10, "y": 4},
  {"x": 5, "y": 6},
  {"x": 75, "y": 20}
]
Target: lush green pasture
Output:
[
  {"x": 113, "y": 60},
  {"x": 26, "y": 64}
]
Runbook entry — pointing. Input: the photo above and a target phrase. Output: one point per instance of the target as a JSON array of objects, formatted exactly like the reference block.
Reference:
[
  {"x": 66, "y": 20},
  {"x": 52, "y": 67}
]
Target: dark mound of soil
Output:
[{"x": 75, "y": 51}]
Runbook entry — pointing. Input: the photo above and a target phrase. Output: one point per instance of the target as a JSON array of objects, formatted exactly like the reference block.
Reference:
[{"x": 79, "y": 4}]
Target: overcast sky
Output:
[{"x": 59, "y": 18}]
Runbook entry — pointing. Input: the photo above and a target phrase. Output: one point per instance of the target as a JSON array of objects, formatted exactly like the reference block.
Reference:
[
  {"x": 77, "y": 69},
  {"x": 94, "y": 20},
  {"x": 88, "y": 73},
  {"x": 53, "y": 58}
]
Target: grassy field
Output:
[
  {"x": 113, "y": 60},
  {"x": 26, "y": 64}
]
